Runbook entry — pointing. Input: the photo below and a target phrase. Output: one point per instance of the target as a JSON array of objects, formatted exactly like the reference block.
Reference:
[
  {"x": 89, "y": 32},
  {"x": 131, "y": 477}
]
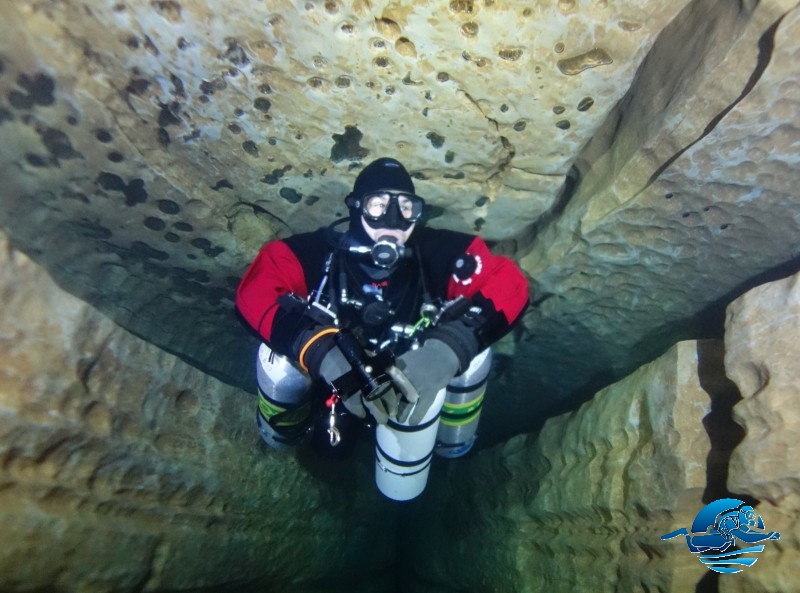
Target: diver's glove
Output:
[
  {"x": 333, "y": 366},
  {"x": 381, "y": 408},
  {"x": 355, "y": 405},
  {"x": 419, "y": 375},
  {"x": 384, "y": 407}
]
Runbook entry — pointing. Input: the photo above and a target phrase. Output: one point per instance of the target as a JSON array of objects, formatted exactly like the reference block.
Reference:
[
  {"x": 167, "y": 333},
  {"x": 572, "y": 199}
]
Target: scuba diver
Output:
[{"x": 378, "y": 321}]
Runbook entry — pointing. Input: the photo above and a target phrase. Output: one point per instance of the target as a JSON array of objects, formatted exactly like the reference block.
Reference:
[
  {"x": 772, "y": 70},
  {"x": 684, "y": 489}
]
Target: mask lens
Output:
[
  {"x": 407, "y": 209},
  {"x": 408, "y": 206},
  {"x": 375, "y": 206}
]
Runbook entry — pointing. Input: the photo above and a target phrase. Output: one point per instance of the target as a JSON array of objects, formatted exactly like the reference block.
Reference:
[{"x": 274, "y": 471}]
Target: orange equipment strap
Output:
[{"x": 311, "y": 341}]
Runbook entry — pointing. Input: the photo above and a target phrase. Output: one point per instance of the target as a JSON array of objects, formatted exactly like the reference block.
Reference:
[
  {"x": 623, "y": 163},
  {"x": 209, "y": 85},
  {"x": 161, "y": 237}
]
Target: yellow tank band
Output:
[
  {"x": 268, "y": 409},
  {"x": 461, "y": 414}
]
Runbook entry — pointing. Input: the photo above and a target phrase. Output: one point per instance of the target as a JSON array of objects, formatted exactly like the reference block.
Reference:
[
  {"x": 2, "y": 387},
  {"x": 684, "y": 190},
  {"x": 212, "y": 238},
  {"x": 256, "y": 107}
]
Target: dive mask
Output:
[{"x": 389, "y": 209}]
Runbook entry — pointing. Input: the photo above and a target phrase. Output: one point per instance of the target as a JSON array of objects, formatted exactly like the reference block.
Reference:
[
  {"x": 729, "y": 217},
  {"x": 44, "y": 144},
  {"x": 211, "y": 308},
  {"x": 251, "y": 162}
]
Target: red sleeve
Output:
[
  {"x": 274, "y": 272},
  {"x": 496, "y": 278}
]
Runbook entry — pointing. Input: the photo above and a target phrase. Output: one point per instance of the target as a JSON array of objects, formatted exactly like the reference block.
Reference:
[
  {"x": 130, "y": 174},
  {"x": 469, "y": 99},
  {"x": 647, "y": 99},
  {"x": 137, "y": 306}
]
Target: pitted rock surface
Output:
[
  {"x": 762, "y": 347},
  {"x": 582, "y": 504},
  {"x": 124, "y": 469},
  {"x": 638, "y": 160}
]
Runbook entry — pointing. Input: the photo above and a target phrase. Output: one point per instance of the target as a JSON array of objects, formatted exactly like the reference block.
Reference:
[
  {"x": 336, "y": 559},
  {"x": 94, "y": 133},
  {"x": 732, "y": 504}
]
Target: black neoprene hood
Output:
[{"x": 382, "y": 174}]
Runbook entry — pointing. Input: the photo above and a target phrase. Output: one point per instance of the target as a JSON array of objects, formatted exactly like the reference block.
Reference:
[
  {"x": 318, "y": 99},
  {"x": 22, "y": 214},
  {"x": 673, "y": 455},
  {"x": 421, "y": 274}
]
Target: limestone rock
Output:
[
  {"x": 123, "y": 468},
  {"x": 626, "y": 153},
  {"x": 762, "y": 347},
  {"x": 581, "y": 505},
  {"x": 678, "y": 205}
]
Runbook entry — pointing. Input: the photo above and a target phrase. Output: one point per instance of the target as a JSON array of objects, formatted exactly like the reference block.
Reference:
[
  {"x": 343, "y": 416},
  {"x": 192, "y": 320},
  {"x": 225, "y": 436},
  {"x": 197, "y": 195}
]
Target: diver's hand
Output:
[
  {"x": 419, "y": 375},
  {"x": 355, "y": 406},
  {"x": 333, "y": 365},
  {"x": 384, "y": 407}
]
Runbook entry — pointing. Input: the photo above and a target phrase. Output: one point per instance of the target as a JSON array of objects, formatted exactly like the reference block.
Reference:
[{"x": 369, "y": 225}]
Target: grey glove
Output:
[
  {"x": 419, "y": 375},
  {"x": 333, "y": 366},
  {"x": 384, "y": 407},
  {"x": 381, "y": 408},
  {"x": 355, "y": 406}
]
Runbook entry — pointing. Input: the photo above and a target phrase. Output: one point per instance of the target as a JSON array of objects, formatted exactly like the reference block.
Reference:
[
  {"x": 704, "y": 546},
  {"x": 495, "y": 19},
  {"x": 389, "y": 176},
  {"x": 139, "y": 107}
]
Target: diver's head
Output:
[
  {"x": 383, "y": 205},
  {"x": 747, "y": 516}
]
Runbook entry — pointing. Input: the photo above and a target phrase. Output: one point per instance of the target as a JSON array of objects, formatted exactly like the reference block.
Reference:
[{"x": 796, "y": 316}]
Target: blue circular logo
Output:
[{"x": 717, "y": 527}]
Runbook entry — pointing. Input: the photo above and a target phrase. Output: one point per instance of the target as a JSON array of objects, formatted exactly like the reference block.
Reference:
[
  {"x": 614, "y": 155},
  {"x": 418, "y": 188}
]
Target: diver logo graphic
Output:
[{"x": 716, "y": 528}]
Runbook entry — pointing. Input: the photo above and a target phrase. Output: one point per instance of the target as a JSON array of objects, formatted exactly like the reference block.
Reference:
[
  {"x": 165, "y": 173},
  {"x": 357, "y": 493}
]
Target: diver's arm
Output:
[
  {"x": 495, "y": 278},
  {"x": 271, "y": 297},
  {"x": 496, "y": 292},
  {"x": 274, "y": 272},
  {"x": 753, "y": 537}
]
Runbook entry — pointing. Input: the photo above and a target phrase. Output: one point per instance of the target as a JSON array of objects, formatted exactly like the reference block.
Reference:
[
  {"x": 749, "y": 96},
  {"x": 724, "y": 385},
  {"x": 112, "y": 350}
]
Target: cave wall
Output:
[
  {"x": 636, "y": 158},
  {"x": 683, "y": 200},
  {"x": 761, "y": 355},
  {"x": 581, "y": 505},
  {"x": 123, "y": 468}
]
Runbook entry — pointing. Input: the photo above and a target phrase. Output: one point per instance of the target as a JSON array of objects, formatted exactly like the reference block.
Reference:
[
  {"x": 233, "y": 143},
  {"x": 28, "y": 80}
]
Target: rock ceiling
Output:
[{"x": 637, "y": 158}]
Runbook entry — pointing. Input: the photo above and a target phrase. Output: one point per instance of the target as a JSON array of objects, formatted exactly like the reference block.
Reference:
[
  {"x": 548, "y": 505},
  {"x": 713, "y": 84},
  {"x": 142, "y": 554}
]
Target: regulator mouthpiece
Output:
[{"x": 386, "y": 252}]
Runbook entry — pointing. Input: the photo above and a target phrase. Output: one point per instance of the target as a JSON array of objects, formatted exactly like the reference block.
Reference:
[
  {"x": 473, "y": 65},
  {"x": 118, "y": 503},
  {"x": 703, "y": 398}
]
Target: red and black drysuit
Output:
[{"x": 444, "y": 265}]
